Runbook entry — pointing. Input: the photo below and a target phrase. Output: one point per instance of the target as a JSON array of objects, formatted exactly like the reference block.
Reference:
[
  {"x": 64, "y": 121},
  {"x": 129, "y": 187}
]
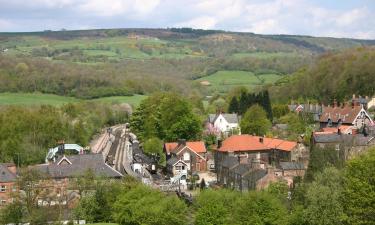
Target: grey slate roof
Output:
[
  {"x": 355, "y": 140},
  {"x": 229, "y": 162},
  {"x": 241, "y": 169},
  {"x": 292, "y": 166},
  {"x": 5, "y": 174},
  {"x": 172, "y": 161},
  {"x": 229, "y": 117},
  {"x": 256, "y": 174},
  {"x": 80, "y": 165}
]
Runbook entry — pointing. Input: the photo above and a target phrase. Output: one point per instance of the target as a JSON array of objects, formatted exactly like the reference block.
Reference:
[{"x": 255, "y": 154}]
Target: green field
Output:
[
  {"x": 223, "y": 81},
  {"x": 264, "y": 55},
  {"x": 48, "y": 99},
  {"x": 101, "y": 224}
]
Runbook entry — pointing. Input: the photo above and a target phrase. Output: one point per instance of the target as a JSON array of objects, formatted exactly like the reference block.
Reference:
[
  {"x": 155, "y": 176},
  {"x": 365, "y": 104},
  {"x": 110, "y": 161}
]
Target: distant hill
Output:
[
  {"x": 333, "y": 76},
  {"x": 171, "y": 58}
]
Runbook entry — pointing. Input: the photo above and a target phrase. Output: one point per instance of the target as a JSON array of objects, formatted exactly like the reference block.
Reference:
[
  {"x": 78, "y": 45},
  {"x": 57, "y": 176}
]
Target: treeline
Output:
[
  {"x": 333, "y": 76},
  {"x": 83, "y": 81},
  {"x": 333, "y": 196},
  {"x": 27, "y": 133}
]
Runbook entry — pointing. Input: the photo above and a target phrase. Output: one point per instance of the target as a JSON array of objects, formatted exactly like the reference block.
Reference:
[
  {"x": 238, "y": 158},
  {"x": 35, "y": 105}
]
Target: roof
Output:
[
  {"x": 173, "y": 161},
  {"x": 255, "y": 174},
  {"x": 253, "y": 143},
  {"x": 346, "y": 114},
  {"x": 229, "y": 117},
  {"x": 241, "y": 169},
  {"x": 196, "y": 146},
  {"x": 343, "y": 129},
  {"x": 80, "y": 164},
  {"x": 355, "y": 140},
  {"x": 5, "y": 174},
  {"x": 292, "y": 166}
]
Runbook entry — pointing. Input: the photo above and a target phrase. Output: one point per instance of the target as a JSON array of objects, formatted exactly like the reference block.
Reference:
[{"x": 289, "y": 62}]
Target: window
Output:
[
  {"x": 14, "y": 188},
  {"x": 3, "y": 202},
  {"x": 3, "y": 188},
  {"x": 186, "y": 156}
]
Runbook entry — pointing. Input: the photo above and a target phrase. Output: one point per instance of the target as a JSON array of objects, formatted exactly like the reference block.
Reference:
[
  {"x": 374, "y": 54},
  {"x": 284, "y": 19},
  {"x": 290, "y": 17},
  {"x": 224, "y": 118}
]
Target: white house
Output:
[{"x": 226, "y": 123}]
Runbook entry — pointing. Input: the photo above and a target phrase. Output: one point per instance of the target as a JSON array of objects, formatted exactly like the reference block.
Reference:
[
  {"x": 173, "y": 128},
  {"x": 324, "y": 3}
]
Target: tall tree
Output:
[
  {"x": 255, "y": 121},
  {"x": 233, "y": 105}
]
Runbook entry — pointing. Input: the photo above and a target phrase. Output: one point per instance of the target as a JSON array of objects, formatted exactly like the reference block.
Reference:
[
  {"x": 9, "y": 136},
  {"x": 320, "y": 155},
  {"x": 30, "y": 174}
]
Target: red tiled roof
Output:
[
  {"x": 197, "y": 146},
  {"x": 347, "y": 114},
  {"x": 343, "y": 128},
  {"x": 253, "y": 143}
]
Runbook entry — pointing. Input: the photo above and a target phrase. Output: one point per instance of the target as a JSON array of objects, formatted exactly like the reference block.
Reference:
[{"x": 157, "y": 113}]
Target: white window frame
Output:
[{"x": 3, "y": 188}]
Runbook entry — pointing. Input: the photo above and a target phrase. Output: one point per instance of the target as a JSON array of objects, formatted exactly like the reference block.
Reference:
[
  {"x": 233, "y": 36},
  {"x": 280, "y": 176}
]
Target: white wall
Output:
[{"x": 222, "y": 124}]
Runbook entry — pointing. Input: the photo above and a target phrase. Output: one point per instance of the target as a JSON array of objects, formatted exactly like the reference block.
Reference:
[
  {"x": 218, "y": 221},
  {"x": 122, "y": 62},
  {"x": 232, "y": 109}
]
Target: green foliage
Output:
[
  {"x": 279, "y": 110},
  {"x": 12, "y": 213},
  {"x": 321, "y": 158},
  {"x": 255, "y": 121},
  {"x": 233, "y": 105},
  {"x": 334, "y": 75},
  {"x": 358, "y": 197},
  {"x": 232, "y": 207},
  {"x": 166, "y": 116},
  {"x": 323, "y": 199},
  {"x": 143, "y": 205},
  {"x": 26, "y": 133},
  {"x": 154, "y": 146}
]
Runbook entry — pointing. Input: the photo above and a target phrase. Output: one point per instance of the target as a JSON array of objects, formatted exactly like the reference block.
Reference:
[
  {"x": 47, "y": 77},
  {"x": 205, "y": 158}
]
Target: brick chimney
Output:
[
  {"x": 12, "y": 168},
  {"x": 261, "y": 139},
  {"x": 334, "y": 103}
]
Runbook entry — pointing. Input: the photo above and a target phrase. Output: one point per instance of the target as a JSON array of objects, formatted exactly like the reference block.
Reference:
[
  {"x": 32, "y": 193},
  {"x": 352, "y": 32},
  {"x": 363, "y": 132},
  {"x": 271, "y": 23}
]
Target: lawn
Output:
[
  {"x": 223, "y": 81},
  {"x": 48, "y": 99}
]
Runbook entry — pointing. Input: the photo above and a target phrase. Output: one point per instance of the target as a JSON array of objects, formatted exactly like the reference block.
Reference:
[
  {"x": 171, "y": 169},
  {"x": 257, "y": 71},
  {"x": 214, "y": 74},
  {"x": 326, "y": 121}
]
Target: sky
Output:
[{"x": 333, "y": 18}]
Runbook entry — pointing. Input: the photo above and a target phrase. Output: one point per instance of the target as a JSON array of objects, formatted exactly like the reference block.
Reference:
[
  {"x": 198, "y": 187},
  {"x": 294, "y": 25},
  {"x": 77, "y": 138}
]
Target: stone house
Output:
[
  {"x": 8, "y": 182},
  {"x": 193, "y": 154},
  {"x": 58, "y": 177}
]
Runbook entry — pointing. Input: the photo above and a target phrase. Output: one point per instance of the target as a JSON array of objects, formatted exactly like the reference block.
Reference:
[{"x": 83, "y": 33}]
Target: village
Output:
[{"x": 236, "y": 161}]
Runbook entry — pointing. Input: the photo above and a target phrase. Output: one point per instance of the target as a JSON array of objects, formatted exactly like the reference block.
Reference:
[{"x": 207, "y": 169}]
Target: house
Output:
[
  {"x": 314, "y": 109},
  {"x": 244, "y": 175},
  {"x": 347, "y": 145},
  {"x": 265, "y": 150},
  {"x": 227, "y": 124},
  {"x": 8, "y": 178},
  {"x": 191, "y": 156},
  {"x": 56, "y": 183},
  {"x": 354, "y": 115}
]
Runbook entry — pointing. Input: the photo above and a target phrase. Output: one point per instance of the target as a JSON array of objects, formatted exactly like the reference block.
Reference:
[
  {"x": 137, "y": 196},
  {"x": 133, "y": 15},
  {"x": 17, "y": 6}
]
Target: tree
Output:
[
  {"x": 358, "y": 197},
  {"x": 12, "y": 213},
  {"x": 323, "y": 199},
  {"x": 255, "y": 121},
  {"x": 154, "y": 147},
  {"x": 233, "y": 105},
  {"x": 143, "y": 205}
]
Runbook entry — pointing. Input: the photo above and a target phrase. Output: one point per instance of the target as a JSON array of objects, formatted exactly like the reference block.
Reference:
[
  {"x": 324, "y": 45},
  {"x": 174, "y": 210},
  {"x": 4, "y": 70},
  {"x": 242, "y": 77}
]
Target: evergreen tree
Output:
[{"x": 233, "y": 105}]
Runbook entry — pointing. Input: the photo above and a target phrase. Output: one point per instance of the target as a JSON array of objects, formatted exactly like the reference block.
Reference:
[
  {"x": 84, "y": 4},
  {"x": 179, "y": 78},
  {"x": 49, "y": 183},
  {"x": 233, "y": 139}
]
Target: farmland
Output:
[{"x": 222, "y": 81}]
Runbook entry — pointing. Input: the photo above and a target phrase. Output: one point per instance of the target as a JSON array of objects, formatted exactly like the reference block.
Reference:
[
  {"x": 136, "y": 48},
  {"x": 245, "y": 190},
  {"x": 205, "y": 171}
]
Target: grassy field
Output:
[
  {"x": 222, "y": 81},
  {"x": 102, "y": 224},
  {"x": 264, "y": 55},
  {"x": 48, "y": 99}
]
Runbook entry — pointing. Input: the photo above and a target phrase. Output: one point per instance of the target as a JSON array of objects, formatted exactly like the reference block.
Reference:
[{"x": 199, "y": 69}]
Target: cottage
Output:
[
  {"x": 314, "y": 109},
  {"x": 227, "y": 124},
  {"x": 190, "y": 154},
  {"x": 8, "y": 178}
]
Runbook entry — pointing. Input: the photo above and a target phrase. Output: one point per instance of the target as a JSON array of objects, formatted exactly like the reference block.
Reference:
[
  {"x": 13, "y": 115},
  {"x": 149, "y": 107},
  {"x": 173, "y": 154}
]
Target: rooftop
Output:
[
  {"x": 255, "y": 143},
  {"x": 196, "y": 146},
  {"x": 229, "y": 117},
  {"x": 5, "y": 174}
]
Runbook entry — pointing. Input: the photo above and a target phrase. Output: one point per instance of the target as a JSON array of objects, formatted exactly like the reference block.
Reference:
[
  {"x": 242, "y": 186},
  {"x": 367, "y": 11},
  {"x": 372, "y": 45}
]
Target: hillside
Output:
[
  {"x": 99, "y": 63},
  {"x": 333, "y": 76}
]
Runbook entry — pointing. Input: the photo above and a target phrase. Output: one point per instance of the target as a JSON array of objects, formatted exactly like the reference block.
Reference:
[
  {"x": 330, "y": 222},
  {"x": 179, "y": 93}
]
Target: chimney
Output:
[
  {"x": 339, "y": 131},
  {"x": 353, "y": 97},
  {"x": 182, "y": 142},
  {"x": 261, "y": 139}
]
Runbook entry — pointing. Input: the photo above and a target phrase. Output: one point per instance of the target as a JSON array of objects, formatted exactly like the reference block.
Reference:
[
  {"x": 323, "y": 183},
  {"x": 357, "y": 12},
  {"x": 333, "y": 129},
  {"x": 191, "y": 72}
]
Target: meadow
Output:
[
  {"x": 32, "y": 99},
  {"x": 223, "y": 81}
]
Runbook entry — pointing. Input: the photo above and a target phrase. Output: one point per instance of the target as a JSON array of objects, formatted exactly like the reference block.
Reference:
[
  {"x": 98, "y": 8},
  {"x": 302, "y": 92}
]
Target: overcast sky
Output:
[{"x": 335, "y": 18}]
